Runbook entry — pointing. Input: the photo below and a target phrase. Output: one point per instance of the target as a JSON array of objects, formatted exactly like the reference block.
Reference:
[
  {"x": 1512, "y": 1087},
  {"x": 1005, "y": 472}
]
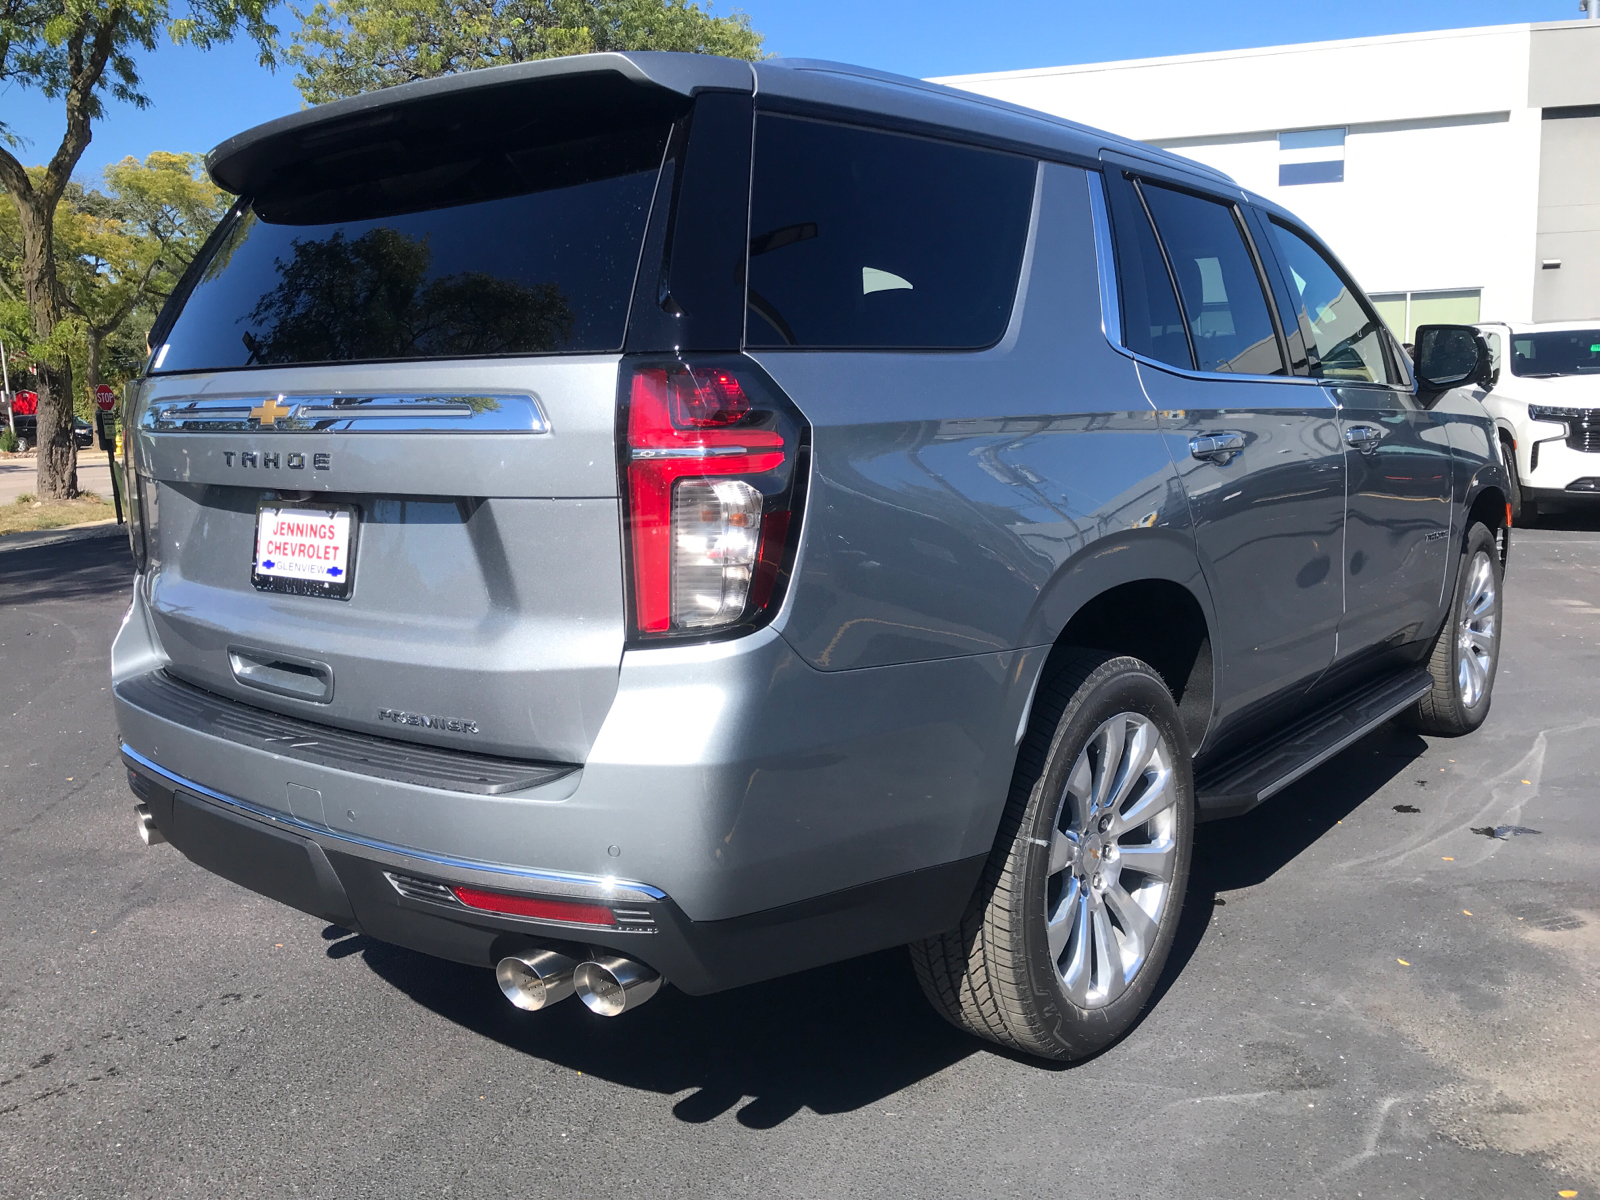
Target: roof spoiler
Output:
[{"x": 250, "y": 162}]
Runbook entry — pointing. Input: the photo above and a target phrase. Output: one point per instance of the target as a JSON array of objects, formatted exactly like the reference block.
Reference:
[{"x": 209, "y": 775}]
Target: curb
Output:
[{"x": 35, "y": 538}]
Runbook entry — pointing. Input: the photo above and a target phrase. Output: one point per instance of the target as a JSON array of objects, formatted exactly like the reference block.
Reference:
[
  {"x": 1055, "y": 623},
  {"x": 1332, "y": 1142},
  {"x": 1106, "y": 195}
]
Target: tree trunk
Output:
[
  {"x": 97, "y": 339},
  {"x": 58, "y": 452}
]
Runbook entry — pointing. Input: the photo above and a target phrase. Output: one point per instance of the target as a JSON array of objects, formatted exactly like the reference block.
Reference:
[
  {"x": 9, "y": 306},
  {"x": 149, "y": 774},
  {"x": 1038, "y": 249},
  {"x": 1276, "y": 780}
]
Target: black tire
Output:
[
  {"x": 997, "y": 974},
  {"x": 22, "y": 445},
  {"x": 1523, "y": 512},
  {"x": 1453, "y": 707}
]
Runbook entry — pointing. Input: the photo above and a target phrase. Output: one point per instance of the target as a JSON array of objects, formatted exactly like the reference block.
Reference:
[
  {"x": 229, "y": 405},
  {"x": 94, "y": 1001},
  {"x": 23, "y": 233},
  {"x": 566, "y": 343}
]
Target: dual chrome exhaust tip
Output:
[{"x": 608, "y": 984}]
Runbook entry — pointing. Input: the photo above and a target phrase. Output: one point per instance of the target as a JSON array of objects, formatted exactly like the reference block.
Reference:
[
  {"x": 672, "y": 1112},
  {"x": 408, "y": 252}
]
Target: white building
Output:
[{"x": 1456, "y": 173}]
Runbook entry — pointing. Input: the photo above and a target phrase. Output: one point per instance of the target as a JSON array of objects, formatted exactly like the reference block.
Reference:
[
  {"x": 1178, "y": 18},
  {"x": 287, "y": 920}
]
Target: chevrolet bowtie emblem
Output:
[{"x": 268, "y": 412}]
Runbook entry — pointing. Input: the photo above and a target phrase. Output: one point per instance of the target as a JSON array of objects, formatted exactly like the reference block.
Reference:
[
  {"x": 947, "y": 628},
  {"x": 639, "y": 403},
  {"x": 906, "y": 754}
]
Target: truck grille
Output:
[
  {"x": 1583, "y": 425},
  {"x": 1583, "y": 430}
]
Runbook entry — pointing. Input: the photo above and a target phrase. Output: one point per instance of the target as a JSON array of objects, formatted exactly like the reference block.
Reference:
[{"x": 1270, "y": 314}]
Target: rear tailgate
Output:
[{"x": 485, "y": 604}]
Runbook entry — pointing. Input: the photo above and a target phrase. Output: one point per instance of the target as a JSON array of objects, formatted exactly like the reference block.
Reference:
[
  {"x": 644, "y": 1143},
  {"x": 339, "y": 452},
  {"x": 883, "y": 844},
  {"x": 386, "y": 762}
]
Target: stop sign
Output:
[{"x": 105, "y": 398}]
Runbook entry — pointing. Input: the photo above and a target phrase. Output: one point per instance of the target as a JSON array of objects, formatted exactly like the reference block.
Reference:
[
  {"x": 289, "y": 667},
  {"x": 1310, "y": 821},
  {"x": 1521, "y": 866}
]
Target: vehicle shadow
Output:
[
  {"x": 1577, "y": 519},
  {"x": 840, "y": 1037},
  {"x": 833, "y": 1039},
  {"x": 88, "y": 569},
  {"x": 1248, "y": 850}
]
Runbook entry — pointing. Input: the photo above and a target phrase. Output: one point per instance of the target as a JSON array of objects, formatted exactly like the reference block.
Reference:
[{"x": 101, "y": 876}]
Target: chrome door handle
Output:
[
  {"x": 1363, "y": 437},
  {"x": 1221, "y": 446}
]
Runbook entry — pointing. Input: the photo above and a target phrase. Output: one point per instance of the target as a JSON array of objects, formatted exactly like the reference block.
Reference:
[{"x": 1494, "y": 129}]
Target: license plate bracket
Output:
[{"x": 305, "y": 548}]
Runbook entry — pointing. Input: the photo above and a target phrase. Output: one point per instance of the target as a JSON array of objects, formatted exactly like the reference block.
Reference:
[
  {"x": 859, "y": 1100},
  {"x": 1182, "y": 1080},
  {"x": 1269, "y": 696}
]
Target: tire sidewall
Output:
[{"x": 1133, "y": 687}]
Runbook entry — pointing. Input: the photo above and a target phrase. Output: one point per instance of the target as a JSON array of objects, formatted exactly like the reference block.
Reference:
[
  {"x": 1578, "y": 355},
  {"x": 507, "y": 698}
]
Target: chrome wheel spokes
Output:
[
  {"x": 1476, "y": 635},
  {"x": 1113, "y": 853}
]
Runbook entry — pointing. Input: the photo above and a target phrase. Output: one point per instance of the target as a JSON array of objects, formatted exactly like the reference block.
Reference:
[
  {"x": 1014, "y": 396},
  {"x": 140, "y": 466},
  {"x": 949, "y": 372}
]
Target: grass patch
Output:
[{"x": 27, "y": 514}]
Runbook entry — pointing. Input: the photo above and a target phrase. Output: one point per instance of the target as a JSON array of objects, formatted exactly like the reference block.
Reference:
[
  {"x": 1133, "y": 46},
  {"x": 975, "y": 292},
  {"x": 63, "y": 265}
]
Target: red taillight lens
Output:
[
  {"x": 535, "y": 906},
  {"x": 708, "y": 397},
  {"x": 711, "y": 454}
]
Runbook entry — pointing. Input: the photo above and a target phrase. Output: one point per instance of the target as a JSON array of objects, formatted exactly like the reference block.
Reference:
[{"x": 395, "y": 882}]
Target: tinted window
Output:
[
  {"x": 1569, "y": 352},
  {"x": 541, "y": 260},
  {"x": 1347, "y": 335},
  {"x": 1152, "y": 322},
  {"x": 1227, "y": 312},
  {"x": 861, "y": 238}
]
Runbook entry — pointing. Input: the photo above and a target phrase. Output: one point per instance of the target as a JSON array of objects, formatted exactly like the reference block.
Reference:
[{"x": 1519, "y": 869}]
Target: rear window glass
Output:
[
  {"x": 861, "y": 238},
  {"x": 539, "y": 259}
]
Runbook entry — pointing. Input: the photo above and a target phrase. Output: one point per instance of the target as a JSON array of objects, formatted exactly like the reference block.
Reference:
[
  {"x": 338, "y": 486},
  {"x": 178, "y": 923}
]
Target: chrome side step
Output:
[{"x": 1240, "y": 783}]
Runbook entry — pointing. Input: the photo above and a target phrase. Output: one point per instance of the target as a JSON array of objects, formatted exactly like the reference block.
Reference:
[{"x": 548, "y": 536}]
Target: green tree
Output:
[
  {"x": 78, "y": 52},
  {"x": 346, "y": 47},
  {"x": 125, "y": 247}
]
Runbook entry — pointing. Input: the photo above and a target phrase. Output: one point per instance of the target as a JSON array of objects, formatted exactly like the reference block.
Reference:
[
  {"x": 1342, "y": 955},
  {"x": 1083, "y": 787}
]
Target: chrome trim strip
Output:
[
  {"x": 284, "y": 413},
  {"x": 691, "y": 452},
  {"x": 1111, "y": 304},
  {"x": 1105, "y": 258},
  {"x": 604, "y": 888}
]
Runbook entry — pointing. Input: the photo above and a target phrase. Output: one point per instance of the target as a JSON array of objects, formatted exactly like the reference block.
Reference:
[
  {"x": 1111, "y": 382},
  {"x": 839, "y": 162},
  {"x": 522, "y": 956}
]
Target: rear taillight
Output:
[{"x": 712, "y": 477}]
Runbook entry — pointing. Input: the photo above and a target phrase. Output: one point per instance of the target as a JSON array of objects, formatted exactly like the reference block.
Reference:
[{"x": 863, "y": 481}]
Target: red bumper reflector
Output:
[{"x": 538, "y": 907}]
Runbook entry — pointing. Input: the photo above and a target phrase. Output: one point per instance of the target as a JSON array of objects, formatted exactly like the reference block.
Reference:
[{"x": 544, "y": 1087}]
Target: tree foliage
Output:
[
  {"x": 78, "y": 52},
  {"x": 346, "y": 47},
  {"x": 129, "y": 244},
  {"x": 119, "y": 251}
]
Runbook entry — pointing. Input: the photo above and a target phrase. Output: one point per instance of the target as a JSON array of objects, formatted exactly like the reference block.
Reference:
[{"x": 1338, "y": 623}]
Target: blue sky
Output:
[{"x": 200, "y": 99}]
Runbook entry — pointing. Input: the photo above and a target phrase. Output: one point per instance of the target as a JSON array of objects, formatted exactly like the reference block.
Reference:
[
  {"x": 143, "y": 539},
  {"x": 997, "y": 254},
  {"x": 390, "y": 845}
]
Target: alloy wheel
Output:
[
  {"x": 1476, "y": 633},
  {"x": 1113, "y": 854}
]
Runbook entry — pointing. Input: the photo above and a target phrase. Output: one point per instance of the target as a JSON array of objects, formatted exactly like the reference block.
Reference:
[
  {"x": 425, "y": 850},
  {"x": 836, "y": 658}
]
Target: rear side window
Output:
[
  {"x": 1346, "y": 332},
  {"x": 521, "y": 252},
  {"x": 1152, "y": 322},
  {"x": 864, "y": 239},
  {"x": 1226, "y": 309}
]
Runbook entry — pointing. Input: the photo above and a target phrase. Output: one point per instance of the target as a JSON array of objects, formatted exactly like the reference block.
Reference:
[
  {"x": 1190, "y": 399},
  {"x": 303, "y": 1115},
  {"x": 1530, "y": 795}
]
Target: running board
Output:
[{"x": 1240, "y": 783}]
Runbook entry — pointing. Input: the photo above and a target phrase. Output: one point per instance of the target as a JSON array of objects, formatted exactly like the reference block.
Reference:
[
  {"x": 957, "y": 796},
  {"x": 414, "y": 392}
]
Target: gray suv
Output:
[{"x": 641, "y": 518}]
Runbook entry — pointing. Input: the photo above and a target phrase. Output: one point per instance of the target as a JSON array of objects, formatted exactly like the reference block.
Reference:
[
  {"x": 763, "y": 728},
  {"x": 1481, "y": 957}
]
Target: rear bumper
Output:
[
  {"x": 373, "y": 888},
  {"x": 777, "y": 816}
]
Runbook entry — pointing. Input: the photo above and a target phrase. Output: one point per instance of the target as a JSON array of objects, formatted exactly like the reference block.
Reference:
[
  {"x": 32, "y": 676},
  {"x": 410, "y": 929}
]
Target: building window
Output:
[
  {"x": 1404, "y": 311},
  {"x": 1310, "y": 156}
]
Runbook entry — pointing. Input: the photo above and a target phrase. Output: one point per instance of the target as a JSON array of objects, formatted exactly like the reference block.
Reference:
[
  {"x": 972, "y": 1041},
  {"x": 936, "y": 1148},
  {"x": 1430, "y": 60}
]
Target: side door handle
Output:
[
  {"x": 1363, "y": 437},
  {"x": 1216, "y": 447}
]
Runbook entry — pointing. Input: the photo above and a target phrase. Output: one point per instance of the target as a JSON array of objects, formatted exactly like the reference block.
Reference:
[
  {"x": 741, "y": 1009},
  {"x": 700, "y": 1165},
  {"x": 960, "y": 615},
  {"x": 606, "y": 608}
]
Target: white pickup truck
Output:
[{"x": 1544, "y": 396}]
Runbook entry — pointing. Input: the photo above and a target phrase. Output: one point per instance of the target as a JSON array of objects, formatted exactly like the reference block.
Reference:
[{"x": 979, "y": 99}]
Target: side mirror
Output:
[{"x": 1450, "y": 356}]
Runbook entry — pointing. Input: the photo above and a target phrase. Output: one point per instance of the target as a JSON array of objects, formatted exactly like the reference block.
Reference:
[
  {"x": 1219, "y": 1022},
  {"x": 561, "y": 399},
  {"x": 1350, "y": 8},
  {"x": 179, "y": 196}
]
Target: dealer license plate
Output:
[{"x": 305, "y": 549}]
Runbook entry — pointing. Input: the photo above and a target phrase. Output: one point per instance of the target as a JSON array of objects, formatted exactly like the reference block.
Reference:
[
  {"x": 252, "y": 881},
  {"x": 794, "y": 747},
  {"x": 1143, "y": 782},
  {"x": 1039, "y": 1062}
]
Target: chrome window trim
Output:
[
  {"x": 1301, "y": 380},
  {"x": 1106, "y": 259},
  {"x": 287, "y": 412},
  {"x": 1111, "y": 304},
  {"x": 603, "y": 888}
]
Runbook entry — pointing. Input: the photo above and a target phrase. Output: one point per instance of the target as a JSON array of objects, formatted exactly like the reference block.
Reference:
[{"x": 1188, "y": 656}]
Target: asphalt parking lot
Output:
[{"x": 1368, "y": 998}]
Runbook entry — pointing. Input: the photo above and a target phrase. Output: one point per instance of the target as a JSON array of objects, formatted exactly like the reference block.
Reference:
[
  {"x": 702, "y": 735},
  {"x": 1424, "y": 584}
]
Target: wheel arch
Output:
[
  {"x": 1143, "y": 596},
  {"x": 1488, "y": 505}
]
